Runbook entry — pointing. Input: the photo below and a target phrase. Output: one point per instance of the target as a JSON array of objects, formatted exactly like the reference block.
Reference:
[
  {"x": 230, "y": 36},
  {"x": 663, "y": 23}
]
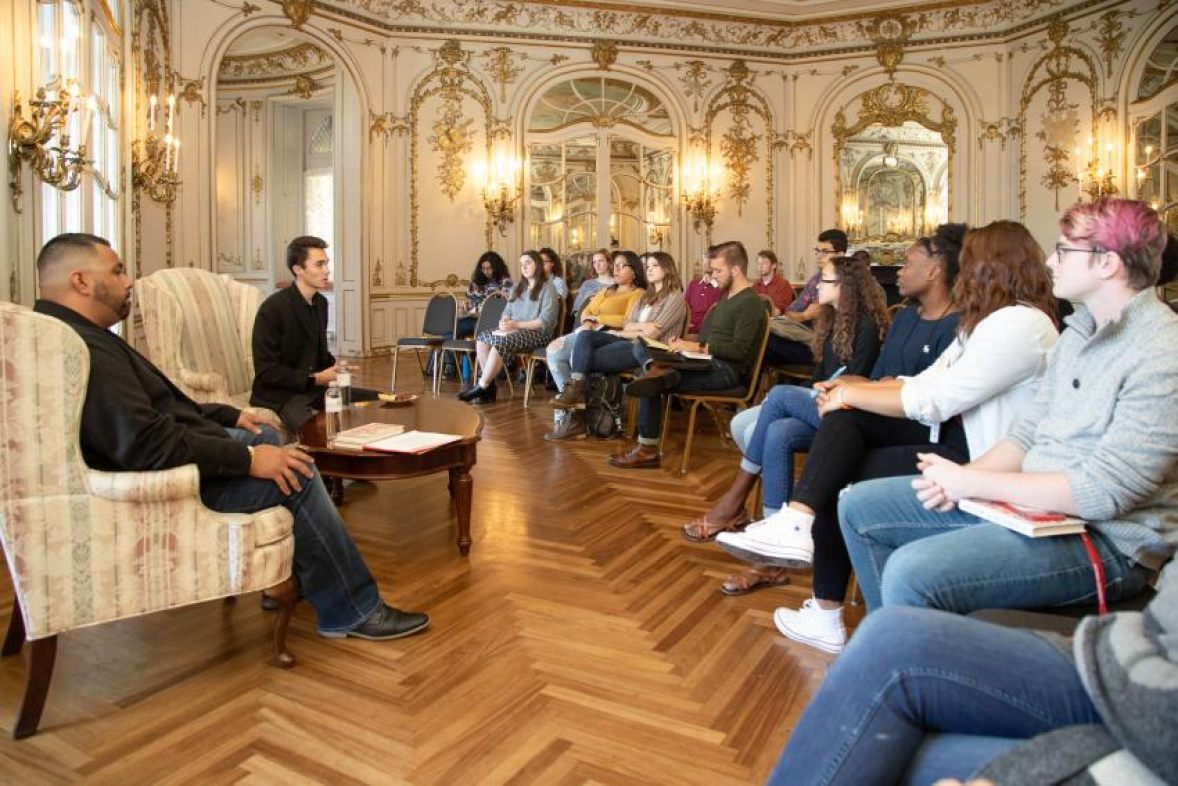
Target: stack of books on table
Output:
[
  {"x": 412, "y": 442},
  {"x": 361, "y": 436},
  {"x": 1032, "y": 522}
]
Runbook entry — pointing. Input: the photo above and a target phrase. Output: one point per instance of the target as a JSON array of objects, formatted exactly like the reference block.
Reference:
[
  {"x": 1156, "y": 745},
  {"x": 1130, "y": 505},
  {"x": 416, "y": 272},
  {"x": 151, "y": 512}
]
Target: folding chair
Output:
[
  {"x": 441, "y": 317},
  {"x": 539, "y": 355},
  {"x": 489, "y": 316}
]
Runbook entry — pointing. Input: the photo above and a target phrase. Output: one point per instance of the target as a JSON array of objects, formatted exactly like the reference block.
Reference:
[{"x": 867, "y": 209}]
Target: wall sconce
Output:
[
  {"x": 155, "y": 161},
  {"x": 701, "y": 190},
  {"x": 499, "y": 181},
  {"x": 42, "y": 140},
  {"x": 1096, "y": 178}
]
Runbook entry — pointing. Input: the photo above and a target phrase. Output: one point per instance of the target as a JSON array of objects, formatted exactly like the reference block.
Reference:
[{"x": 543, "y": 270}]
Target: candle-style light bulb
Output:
[
  {"x": 176, "y": 155},
  {"x": 171, "y": 113},
  {"x": 151, "y": 107}
]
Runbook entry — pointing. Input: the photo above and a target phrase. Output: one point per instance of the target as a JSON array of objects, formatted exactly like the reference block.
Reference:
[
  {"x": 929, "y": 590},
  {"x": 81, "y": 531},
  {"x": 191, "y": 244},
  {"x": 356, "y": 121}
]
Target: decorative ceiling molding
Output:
[
  {"x": 300, "y": 59},
  {"x": 693, "y": 30}
]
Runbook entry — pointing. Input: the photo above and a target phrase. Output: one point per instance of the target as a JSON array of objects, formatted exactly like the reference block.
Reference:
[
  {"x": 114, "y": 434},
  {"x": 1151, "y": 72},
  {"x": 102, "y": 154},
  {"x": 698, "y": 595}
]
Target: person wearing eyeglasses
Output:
[
  {"x": 790, "y": 331},
  {"x": 959, "y": 406},
  {"x": 1100, "y": 442}
]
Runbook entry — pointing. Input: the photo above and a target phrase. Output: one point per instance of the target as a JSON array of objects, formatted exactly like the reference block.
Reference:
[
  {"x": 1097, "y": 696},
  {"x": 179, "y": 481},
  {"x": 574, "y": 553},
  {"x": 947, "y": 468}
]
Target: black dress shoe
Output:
[
  {"x": 470, "y": 393},
  {"x": 385, "y": 623},
  {"x": 485, "y": 395}
]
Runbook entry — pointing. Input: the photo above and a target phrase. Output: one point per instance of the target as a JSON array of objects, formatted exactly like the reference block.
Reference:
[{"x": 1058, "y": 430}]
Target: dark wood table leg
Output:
[
  {"x": 462, "y": 490},
  {"x": 337, "y": 490}
]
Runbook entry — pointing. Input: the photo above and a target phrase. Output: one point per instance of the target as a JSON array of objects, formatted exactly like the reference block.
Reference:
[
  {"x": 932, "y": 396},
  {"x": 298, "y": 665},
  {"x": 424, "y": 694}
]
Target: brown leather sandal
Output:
[
  {"x": 701, "y": 530},
  {"x": 754, "y": 579}
]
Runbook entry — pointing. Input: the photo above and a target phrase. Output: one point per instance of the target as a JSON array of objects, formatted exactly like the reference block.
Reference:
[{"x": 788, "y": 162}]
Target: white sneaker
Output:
[
  {"x": 783, "y": 540},
  {"x": 813, "y": 625}
]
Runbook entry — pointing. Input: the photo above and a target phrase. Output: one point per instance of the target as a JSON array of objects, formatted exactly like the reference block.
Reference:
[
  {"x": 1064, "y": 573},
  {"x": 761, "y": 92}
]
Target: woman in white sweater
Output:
[{"x": 958, "y": 407}]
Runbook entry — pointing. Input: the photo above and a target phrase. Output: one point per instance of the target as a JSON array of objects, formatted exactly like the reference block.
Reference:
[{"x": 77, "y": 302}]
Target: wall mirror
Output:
[{"x": 894, "y": 166}]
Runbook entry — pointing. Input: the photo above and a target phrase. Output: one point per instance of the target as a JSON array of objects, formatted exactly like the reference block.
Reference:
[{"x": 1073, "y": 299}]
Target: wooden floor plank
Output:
[{"x": 582, "y": 641}]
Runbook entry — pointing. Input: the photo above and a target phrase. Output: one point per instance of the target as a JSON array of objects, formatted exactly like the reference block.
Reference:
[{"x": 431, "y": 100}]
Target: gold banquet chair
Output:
[{"x": 86, "y": 547}]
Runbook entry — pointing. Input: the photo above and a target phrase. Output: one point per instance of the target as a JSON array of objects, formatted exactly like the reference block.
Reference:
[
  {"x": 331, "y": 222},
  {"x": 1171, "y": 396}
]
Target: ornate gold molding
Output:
[
  {"x": 1060, "y": 65},
  {"x": 502, "y": 68},
  {"x": 152, "y": 75},
  {"x": 738, "y": 144},
  {"x": 297, "y": 11},
  {"x": 452, "y": 80},
  {"x": 304, "y": 57},
  {"x": 630, "y": 24},
  {"x": 190, "y": 92},
  {"x": 890, "y": 35},
  {"x": 604, "y": 53}
]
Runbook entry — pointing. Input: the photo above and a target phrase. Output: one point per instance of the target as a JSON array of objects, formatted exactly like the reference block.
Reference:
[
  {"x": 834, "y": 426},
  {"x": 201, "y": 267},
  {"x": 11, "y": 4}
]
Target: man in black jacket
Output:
[
  {"x": 292, "y": 362},
  {"x": 135, "y": 419}
]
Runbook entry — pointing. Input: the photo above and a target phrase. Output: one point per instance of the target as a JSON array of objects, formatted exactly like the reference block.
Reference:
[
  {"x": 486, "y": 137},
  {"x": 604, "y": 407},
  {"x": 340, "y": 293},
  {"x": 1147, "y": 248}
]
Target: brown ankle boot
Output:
[
  {"x": 573, "y": 425},
  {"x": 572, "y": 396}
]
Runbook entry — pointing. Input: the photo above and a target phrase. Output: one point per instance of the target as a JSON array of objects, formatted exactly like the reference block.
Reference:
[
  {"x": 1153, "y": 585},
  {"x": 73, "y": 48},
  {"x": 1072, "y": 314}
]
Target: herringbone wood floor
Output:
[{"x": 582, "y": 641}]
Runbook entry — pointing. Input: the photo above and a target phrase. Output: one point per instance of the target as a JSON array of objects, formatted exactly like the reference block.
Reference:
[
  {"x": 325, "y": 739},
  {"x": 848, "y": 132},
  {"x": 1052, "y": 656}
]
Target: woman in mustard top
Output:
[{"x": 606, "y": 311}]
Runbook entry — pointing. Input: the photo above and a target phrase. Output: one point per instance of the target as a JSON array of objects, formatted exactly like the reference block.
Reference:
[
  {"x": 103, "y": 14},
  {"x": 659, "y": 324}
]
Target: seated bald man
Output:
[{"x": 135, "y": 419}]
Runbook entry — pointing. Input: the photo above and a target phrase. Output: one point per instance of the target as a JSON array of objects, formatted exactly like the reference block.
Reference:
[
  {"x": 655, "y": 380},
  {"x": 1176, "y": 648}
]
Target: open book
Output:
[
  {"x": 679, "y": 358},
  {"x": 1032, "y": 522},
  {"x": 357, "y": 438},
  {"x": 412, "y": 442}
]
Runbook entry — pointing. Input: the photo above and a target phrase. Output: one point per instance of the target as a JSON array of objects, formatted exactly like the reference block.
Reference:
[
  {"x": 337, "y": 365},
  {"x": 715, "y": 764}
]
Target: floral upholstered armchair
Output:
[
  {"x": 85, "y": 547},
  {"x": 198, "y": 329}
]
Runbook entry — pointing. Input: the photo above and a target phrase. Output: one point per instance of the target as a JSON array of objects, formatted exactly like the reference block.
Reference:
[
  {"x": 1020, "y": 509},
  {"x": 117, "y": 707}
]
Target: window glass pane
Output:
[
  {"x": 47, "y": 40},
  {"x": 1159, "y": 67},
  {"x": 601, "y": 102},
  {"x": 563, "y": 194}
]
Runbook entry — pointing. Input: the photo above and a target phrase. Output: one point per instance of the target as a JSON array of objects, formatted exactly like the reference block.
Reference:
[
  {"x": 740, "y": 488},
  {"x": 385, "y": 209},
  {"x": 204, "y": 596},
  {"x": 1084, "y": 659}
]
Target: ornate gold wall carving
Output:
[
  {"x": 738, "y": 144},
  {"x": 297, "y": 11},
  {"x": 152, "y": 75},
  {"x": 1059, "y": 125},
  {"x": 452, "y": 80},
  {"x": 302, "y": 58},
  {"x": 732, "y": 33}
]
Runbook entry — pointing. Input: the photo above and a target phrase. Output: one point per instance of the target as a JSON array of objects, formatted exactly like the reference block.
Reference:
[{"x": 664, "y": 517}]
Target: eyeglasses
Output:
[
  {"x": 1061, "y": 249},
  {"x": 821, "y": 251},
  {"x": 828, "y": 281}
]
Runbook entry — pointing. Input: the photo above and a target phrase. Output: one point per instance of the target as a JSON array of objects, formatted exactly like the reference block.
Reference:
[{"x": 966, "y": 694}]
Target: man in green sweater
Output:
[{"x": 735, "y": 327}]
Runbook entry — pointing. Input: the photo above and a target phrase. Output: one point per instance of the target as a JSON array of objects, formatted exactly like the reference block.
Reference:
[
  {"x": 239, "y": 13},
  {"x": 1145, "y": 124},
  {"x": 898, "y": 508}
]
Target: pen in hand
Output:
[{"x": 838, "y": 372}]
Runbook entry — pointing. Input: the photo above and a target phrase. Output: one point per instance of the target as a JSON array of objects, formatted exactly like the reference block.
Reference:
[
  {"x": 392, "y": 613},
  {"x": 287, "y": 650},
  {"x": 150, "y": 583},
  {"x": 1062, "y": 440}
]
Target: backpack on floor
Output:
[{"x": 603, "y": 405}]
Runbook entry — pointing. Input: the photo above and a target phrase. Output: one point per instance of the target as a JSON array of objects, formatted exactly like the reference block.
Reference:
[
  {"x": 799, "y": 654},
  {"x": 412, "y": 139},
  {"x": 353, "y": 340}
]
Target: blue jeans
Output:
[
  {"x": 721, "y": 376},
  {"x": 788, "y": 421},
  {"x": 970, "y": 564},
  {"x": 605, "y": 353},
  {"x": 558, "y": 359},
  {"x": 897, "y": 703},
  {"x": 330, "y": 572},
  {"x": 742, "y": 425}
]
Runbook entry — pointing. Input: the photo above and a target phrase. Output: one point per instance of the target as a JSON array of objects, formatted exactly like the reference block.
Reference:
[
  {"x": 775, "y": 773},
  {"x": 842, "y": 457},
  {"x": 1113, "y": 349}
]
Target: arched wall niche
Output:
[{"x": 350, "y": 108}]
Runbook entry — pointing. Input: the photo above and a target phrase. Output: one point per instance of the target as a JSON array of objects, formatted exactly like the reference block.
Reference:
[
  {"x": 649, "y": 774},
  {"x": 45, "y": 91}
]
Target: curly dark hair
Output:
[
  {"x": 498, "y": 269},
  {"x": 860, "y": 296},
  {"x": 1001, "y": 265}
]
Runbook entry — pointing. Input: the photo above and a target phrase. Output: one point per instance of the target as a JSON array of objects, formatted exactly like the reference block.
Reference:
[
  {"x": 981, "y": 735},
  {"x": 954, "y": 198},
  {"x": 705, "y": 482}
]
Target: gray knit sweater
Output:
[
  {"x": 1105, "y": 415},
  {"x": 1128, "y": 663}
]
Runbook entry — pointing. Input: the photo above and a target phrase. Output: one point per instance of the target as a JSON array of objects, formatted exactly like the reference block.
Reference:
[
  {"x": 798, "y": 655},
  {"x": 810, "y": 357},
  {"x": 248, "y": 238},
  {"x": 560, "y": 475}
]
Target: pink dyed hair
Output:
[{"x": 1130, "y": 228}]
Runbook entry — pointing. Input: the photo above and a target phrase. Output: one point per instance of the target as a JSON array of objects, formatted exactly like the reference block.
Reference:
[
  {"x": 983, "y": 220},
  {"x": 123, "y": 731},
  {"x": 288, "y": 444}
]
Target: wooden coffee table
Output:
[{"x": 423, "y": 414}]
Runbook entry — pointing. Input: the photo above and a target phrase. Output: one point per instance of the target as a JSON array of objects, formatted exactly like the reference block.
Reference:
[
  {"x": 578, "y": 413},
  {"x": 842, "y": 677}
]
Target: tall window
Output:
[
  {"x": 80, "y": 43},
  {"x": 1155, "y": 130}
]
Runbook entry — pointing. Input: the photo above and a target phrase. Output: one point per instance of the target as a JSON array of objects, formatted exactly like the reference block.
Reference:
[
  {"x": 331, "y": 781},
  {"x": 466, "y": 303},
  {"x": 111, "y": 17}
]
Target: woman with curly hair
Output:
[
  {"x": 958, "y": 407},
  {"x": 850, "y": 326}
]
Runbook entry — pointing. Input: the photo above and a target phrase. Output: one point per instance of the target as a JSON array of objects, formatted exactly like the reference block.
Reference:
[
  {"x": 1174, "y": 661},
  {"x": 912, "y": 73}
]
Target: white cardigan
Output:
[{"x": 988, "y": 378}]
